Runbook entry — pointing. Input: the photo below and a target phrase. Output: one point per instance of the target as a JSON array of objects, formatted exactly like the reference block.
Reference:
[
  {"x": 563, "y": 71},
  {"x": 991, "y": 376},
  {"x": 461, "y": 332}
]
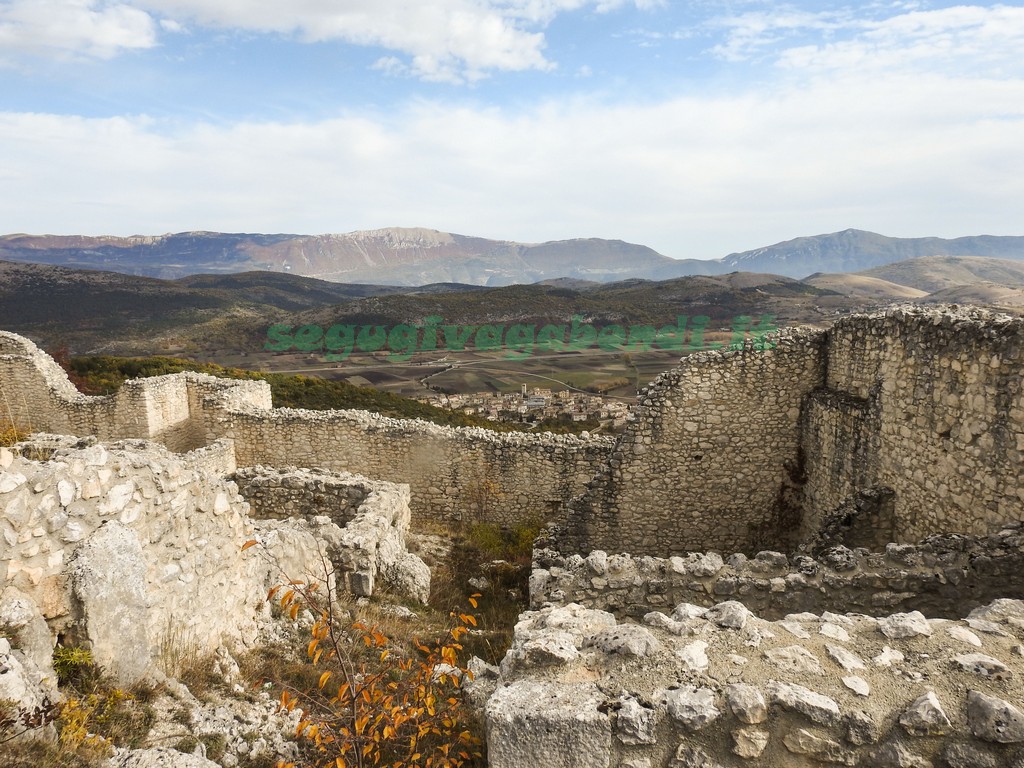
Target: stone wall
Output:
[
  {"x": 454, "y": 474},
  {"x": 738, "y": 450},
  {"x": 358, "y": 525},
  {"x": 127, "y": 548},
  {"x": 929, "y": 405},
  {"x": 943, "y": 576},
  {"x": 710, "y": 459},
  {"x": 753, "y": 449},
  {"x": 136, "y": 552},
  {"x": 277, "y": 493},
  {"x": 721, "y": 688}
]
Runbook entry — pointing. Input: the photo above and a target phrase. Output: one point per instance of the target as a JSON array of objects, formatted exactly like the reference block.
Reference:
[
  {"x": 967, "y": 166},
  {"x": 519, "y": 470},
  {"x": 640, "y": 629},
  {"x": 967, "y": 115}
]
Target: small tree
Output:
[{"x": 374, "y": 706}]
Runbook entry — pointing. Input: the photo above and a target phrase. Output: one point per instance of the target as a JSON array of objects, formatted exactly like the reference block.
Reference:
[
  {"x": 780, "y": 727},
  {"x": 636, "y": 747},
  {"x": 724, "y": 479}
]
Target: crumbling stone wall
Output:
[
  {"x": 36, "y": 394},
  {"x": 283, "y": 492},
  {"x": 126, "y": 547},
  {"x": 358, "y": 526},
  {"x": 136, "y": 551},
  {"x": 943, "y": 576},
  {"x": 454, "y": 474},
  {"x": 745, "y": 450},
  {"x": 711, "y": 458},
  {"x": 929, "y": 405},
  {"x": 738, "y": 450},
  {"x": 721, "y": 687}
]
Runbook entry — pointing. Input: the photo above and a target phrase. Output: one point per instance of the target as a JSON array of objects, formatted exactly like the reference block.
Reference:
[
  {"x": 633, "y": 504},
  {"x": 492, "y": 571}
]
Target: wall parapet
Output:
[{"x": 942, "y": 576}]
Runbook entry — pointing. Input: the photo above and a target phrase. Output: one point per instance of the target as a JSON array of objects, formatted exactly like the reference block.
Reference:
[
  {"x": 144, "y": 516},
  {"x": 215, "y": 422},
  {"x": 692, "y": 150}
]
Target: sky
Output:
[{"x": 696, "y": 128}]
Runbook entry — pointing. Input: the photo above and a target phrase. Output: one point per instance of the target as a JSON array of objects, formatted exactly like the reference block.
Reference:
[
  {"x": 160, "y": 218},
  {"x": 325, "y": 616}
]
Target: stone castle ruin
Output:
[{"x": 796, "y": 556}]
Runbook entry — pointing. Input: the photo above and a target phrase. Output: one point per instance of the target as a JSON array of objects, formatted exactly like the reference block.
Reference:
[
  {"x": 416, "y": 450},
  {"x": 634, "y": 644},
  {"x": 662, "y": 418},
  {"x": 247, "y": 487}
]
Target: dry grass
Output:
[{"x": 183, "y": 658}]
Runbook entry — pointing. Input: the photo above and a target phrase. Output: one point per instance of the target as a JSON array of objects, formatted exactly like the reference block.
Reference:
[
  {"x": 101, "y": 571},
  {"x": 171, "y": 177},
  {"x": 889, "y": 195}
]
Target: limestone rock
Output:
[
  {"x": 925, "y": 717},
  {"x": 480, "y": 684},
  {"x": 626, "y": 640},
  {"x": 21, "y": 617},
  {"x": 794, "y": 659},
  {"x": 821, "y": 709},
  {"x": 904, "y": 625},
  {"x": 887, "y": 657},
  {"x": 407, "y": 575},
  {"x": 687, "y": 611},
  {"x": 834, "y": 631},
  {"x": 749, "y": 743},
  {"x": 861, "y": 728},
  {"x": 557, "y": 726},
  {"x": 692, "y": 756},
  {"x": 844, "y": 658},
  {"x": 731, "y": 614},
  {"x": 694, "y": 656},
  {"x": 999, "y": 610},
  {"x": 573, "y": 618},
  {"x": 796, "y": 629},
  {"x": 109, "y": 577},
  {"x": 659, "y": 620},
  {"x": 964, "y": 635},
  {"x": 22, "y": 682},
  {"x": 693, "y": 707},
  {"x": 983, "y": 666},
  {"x": 964, "y": 755},
  {"x": 549, "y": 646},
  {"x": 992, "y": 719},
  {"x": 895, "y": 755},
  {"x": 858, "y": 685},
  {"x": 635, "y": 723},
  {"x": 818, "y": 747},
  {"x": 746, "y": 703}
]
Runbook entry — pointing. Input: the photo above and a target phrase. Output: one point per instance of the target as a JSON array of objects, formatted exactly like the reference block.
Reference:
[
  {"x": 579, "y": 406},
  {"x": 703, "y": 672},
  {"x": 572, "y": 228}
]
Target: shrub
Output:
[{"x": 372, "y": 704}]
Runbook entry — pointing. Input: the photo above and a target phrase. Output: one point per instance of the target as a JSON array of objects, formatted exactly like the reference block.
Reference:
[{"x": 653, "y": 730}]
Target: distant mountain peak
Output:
[{"x": 418, "y": 255}]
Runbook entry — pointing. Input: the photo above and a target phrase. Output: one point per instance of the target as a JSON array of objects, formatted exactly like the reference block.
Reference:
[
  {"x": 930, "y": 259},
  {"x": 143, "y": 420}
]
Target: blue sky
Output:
[{"x": 698, "y": 129}]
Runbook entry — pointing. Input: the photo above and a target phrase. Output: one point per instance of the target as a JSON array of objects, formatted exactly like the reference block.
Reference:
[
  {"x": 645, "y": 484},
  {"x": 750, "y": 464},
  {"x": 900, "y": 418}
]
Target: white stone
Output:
[
  {"x": 746, "y": 703},
  {"x": 819, "y": 708},
  {"x": 844, "y": 658},
  {"x": 964, "y": 635},
  {"x": 887, "y": 657},
  {"x": 858, "y": 685},
  {"x": 10, "y": 481},
  {"x": 983, "y": 666},
  {"x": 795, "y": 659},
  {"x": 925, "y": 717},
  {"x": 904, "y": 625},
  {"x": 693, "y": 707},
  {"x": 694, "y": 656},
  {"x": 749, "y": 743},
  {"x": 835, "y": 632},
  {"x": 557, "y": 726}
]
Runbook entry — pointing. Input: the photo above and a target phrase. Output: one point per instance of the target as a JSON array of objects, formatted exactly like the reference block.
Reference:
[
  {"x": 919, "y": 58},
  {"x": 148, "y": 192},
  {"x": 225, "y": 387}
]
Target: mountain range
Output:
[{"x": 417, "y": 257}]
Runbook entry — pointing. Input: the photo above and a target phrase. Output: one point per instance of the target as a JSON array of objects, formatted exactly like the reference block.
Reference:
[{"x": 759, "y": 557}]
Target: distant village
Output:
[{"x": 536, "y": 405}]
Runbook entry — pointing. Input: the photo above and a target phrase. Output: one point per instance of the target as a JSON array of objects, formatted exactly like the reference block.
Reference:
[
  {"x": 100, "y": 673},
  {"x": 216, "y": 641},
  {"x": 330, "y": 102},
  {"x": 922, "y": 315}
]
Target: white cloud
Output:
[
  {"x": 904, "y": 155},
  {"x": 450, "y": 40},
  {"x": 70, "y": 27},
  {"x": 960, "y": 38}
]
